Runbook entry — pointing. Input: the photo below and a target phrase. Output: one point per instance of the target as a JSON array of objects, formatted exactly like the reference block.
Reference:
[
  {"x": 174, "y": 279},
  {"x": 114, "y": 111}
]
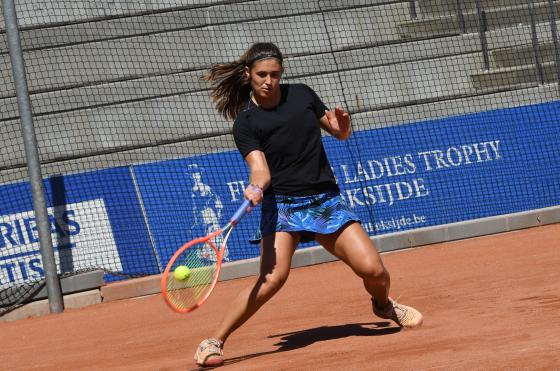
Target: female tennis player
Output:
[{"x": 277, "y": 130}]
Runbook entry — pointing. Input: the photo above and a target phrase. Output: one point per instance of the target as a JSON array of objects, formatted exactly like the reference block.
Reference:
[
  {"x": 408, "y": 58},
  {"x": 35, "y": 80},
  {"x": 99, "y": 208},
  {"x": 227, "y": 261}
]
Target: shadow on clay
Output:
[{"x": 301, "y": 339}]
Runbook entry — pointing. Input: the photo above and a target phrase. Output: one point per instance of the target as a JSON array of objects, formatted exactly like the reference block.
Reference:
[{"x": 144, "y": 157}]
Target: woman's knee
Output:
[
  {"x": 372, "y": 269},
  {"x": 271, "y": 283}
]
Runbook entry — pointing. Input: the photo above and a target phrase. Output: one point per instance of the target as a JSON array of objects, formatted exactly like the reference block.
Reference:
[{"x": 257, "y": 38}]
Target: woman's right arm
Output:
[{"x": 259, "y": 176}]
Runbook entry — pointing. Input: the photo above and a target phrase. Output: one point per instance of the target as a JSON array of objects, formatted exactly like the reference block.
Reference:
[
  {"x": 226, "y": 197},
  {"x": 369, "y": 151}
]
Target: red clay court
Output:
[{"x": 490, "y": 303}]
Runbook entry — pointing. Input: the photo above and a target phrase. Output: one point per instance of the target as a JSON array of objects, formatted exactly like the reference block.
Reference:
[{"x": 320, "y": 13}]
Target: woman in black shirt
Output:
[{"x": 277, "y": 130}]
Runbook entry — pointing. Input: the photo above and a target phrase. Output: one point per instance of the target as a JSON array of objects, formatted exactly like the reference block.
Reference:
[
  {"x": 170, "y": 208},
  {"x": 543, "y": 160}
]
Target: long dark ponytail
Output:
[{"x": 231, "y": 87}]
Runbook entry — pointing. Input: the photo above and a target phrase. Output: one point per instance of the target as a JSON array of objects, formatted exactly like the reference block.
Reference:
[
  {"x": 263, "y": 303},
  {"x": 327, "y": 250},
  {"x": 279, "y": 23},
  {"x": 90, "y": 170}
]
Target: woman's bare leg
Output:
[
  {"x": 352, "y": 245},
  {"x": 276, "y": 257}
]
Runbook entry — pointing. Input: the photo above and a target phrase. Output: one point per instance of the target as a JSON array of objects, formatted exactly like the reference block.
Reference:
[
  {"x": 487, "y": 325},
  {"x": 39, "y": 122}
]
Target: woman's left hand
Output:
[{"x": 337, "y": 123}]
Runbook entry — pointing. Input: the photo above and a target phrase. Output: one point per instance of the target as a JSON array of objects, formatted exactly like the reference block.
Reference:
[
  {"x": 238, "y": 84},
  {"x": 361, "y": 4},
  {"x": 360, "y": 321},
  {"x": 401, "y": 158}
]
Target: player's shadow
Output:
[{"x": 303, "y": 338}]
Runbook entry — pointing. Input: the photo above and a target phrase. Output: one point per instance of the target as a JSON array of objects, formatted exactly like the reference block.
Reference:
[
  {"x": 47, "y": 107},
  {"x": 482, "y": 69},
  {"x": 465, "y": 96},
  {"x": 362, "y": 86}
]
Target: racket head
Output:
[{"x": 204, "y": 262}]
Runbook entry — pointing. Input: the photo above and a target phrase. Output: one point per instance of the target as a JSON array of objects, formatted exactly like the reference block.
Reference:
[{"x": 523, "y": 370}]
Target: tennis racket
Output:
[{"x": 193, "y": 271}]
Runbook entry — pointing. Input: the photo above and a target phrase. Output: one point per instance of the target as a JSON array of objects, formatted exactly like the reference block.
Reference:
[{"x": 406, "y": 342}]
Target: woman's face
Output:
[{"x": 265, "y": 79}]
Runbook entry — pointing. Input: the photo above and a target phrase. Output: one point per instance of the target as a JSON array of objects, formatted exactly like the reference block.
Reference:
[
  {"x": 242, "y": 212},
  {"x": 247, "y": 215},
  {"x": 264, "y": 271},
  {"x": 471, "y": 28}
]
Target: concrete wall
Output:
[
  {"x": 442, "y": 17},
  {"x": 114, "y": 84},
  {"x": 434, "y": 8}
]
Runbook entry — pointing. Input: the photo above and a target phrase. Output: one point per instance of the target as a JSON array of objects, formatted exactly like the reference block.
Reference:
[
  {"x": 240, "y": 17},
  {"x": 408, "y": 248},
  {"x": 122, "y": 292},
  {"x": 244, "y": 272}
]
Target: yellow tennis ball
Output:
[{"x": 181, "y": 273}]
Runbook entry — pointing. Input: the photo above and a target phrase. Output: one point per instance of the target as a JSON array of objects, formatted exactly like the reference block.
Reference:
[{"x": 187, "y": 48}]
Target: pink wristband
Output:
[{"x": 257, "y": 187}]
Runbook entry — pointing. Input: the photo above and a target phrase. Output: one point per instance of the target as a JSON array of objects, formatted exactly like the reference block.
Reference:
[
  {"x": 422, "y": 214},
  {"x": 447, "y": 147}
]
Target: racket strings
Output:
[
  {"x": 202, "y": 261},
  {"x": 203, "y": 258}
]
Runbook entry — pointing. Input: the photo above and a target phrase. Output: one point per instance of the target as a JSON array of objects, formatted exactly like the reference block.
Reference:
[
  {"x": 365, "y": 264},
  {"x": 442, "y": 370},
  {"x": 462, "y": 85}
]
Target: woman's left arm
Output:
[{"x": 336, "y": 123}]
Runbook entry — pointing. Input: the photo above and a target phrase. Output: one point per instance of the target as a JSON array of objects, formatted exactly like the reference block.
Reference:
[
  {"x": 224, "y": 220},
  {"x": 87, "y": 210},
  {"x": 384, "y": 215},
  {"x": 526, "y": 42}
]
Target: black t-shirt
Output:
[{"x": 290, "y": 137}]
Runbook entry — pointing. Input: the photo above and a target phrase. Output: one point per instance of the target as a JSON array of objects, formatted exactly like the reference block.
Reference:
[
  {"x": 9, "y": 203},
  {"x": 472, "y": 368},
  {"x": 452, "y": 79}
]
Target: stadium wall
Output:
[{"x": 455, "y": 155}]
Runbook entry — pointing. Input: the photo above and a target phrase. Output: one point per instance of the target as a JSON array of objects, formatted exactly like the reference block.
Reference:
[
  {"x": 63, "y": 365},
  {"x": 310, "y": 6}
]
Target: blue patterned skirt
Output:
[{"x": 321, "y": 213}]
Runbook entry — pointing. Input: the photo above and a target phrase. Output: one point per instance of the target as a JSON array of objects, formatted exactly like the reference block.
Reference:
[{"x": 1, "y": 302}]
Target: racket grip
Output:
[{"x": 240, "y": 212}]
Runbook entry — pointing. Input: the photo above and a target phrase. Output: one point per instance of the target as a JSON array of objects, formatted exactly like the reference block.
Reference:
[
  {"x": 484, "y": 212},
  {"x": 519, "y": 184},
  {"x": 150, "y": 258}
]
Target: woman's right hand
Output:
[
  {"x": 259, "y": 176},
  {"x": 254, "y": 193}
]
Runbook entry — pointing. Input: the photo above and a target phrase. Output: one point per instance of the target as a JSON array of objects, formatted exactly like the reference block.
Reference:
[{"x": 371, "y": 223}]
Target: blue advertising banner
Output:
[
  {"x": 396, "y": 178},
  {"x": 450, "y": 170},
  {"x": 96, "y": 222},
  {"x": 192, "y": 197}
]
